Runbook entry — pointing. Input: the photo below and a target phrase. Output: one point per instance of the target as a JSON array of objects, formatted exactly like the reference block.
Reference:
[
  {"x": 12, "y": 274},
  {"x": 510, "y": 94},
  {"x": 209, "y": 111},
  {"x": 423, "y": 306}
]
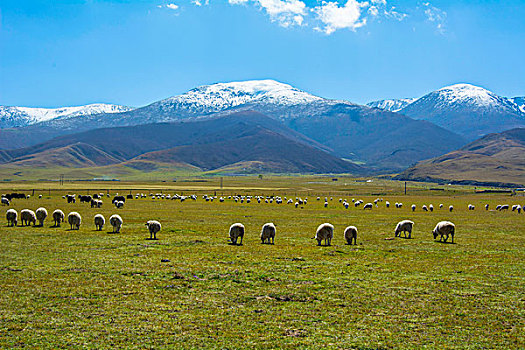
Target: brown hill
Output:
[{"x": 496, "y": 159}]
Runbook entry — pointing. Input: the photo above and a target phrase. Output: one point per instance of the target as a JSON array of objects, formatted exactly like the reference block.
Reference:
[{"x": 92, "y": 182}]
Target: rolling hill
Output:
[
  {"x": 496, "y": 159},
  {"x": 204, "y": 144}
]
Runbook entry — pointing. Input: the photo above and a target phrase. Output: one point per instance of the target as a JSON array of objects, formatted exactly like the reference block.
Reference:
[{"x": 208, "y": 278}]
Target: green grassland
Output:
[{"x": 191, "y": 289}]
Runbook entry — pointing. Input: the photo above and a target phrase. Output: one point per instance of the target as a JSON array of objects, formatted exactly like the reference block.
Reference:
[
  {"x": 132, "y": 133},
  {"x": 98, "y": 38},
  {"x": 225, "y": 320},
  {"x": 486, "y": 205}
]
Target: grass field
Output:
[{"x": 191, "y": 289}]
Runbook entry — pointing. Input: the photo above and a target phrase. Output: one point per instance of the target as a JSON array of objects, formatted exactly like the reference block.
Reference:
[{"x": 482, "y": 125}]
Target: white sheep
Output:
[
  {"x": 424, "y": 207},
  {"x": 41, "y": 215},
  {"x": 58, "y": 217},
  {"x": 504, "y": 207},
  {"x": 268, "y": 232},
  {"x": 324, "y": 232},
  {"x": 27, "y": 217},
  {"x": 471, "y": 207},
  {"x": 404, "y": 226},
  {"x": 116, "y": 221},
  {"x": 74, "y": 219},
  {"x": 236, "y": 231},
  {"x": 387, "y": 204},
  {"x": 440, "y": 205},
  {"x": 486, "y": 207},
  {"x": 444, "y": 229},
  {"x": 153, "y": 227},
  {"x": 368, "y": 206},
  {"x": 5, "y": 201},
  {"x": 351, "y": 234},
  {"x": 431, "y": 207},
  {"x": 451, "y": 208},
  {"x": 99, "y": 222},
  {"x": 119, "y": 204},
  {"x": 413, "y": 207},
  {"x": 11, "y": 215}
]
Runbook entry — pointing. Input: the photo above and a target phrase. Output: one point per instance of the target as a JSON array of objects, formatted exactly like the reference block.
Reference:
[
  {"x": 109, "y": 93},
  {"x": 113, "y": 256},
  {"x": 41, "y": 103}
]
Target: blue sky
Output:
[{"x": 64, "y": 53}]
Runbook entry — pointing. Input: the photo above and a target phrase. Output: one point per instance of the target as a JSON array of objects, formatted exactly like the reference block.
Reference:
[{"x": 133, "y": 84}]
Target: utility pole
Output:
[{"x": 405, "y": 188}]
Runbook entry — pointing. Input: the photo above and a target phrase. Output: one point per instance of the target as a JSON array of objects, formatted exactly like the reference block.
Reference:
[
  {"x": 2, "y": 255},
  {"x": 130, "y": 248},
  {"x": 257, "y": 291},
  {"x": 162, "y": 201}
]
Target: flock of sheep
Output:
[{"x": 324, "y": 232}]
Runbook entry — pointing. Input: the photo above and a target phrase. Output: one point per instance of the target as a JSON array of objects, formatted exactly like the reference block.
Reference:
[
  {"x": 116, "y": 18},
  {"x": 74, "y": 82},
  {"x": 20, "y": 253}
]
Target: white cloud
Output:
[
  {"x": 200, "y": 2},
  {"x": 336, "y": 17},
  {"x": 237, "y": 2},
  {"x": 285, "y": 12},
  {"x": 436, "y": 16},
  {"x": 172, "y": 6}
]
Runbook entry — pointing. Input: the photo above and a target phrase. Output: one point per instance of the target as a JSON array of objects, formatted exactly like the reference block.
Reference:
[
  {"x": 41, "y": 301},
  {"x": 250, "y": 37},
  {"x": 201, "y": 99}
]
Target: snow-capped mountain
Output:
[
  {"x": 520, "y": 101},
  {"x": 467, "y": 109},
  {"x": 391, "y": 105},
  {"x": 23, "y": 116},
  {"x": 221, "y": 96}
]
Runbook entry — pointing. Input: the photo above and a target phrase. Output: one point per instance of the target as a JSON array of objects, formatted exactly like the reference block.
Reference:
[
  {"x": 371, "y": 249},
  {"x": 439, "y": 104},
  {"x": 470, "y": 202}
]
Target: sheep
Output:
[
  {"x": 387, "y": 204},
  {"x": 268, "y": 232},
  {"x": 27, "y": 217},
  {"x": 74, "y": 219},
  {"x": 11, "y": 215},
  {"x": 116, "y": 221},
  {"x": 424, "y": 207},
  {"x": 236, "y": 231},
  {"x": 99, "y": 222},
  {"x": 296, "y": 204},
  {"x": 119, "y": 204},
  {"x": 351, "y": 234},
  {"x": 404, "y": 226},
  {"x": 471, "y": 207},
  {"x": 58, "y": 216},
  {"x": 450, "y": 208},
  {"x": 514, "y": 207},
  {"x": 153, "y": 227},
  {"x": 71, "y": 198},
  {"x": 368, "y": 206},
  {"x": 5, "y": 201},
  {"x": 441, "y": 206},
  {"x": 444, "y": 229},
  {"x": 504, "y": 207},
  {"x": 486, "y": 207},
  {"x": 413, "y": 207},
  {"x": 324, "y": 232},
  {"x": 431, "y": 207},
  {"x": 326, "y": 204},
  {"x": 41, "y": 215},
  {"x": 40, "y": 197}
]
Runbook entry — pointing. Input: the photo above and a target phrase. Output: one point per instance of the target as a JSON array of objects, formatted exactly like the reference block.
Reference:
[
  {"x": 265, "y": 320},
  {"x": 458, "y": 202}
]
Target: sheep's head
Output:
[{"x": 435, "y": 234}]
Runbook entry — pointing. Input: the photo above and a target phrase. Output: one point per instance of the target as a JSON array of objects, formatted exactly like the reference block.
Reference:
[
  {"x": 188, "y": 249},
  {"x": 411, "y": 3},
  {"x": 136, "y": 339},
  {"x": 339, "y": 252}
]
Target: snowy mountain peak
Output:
[
  {"x": 470, "y": 94},
  {"x": 220, "y": 96},
  {"x": 23, "y": 116},
  {"x": 391, "y": 105}
]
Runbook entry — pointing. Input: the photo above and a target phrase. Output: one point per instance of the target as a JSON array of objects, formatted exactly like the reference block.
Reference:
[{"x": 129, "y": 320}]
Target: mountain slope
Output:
[
  {"x": 22, "y": 116},
  {"x": 391, "y": 105},
  {"x": 206, "y": 144},
  {"x": 382, "y": 140},
  {"x": 520, "y": 101},
  {"x": 493, "y": 159},
  {"x": 467, "y": 109}
]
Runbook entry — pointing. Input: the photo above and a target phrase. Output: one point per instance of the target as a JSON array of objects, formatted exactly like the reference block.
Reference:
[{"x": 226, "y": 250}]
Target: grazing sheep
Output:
[
  {"x": 424, "y": 207},
  {"x": 471, "y": 207},
  {"x": 326, "y": 204},
  {"x": 431, "y": 207},
  {"x": 486, "y": 207},
  {"x": 74, "y": 219},
  {"x": 387, "y": 203},
  {"x": 404, "y": 226},
  {"x": 99, "y": 222},
  {"x": 351, "y": 234},
  {"x": 58, "y": 216},
  {"x": 236, "y": 231},
  {"x": 116, "y": 221},
  {"x": 27, "y": 217},
  {"x": 153, "y": 227},
  {"x": 413, "y": 207},
  {"x": 514, "y": 207},
  {"x": 5, "y": 201},
  {"x": 519, "y": 208},
  {"x": 40, "y": 197},
  {"x": 324, "y": 232},
  {"x": 451, "y": 208},
  {"x": 119, "y": 204},
  {"x": 11, "y": 215},
  {"x": 368, "y": 206},
  {"x": 71, "y": 198},
  {"x": 268, "y": 232},
  {"x": 41, "y": 215},
  {"x": 440, "y": 205},
  {"x": 296, "y": 204},
  {"x": 444, "y": 229},
  {"x": 504, "y": 207}
]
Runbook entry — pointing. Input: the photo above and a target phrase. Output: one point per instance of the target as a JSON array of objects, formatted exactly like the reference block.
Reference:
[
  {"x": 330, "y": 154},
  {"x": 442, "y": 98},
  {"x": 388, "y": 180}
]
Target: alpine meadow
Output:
[{"x": 262, "y": 174}]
